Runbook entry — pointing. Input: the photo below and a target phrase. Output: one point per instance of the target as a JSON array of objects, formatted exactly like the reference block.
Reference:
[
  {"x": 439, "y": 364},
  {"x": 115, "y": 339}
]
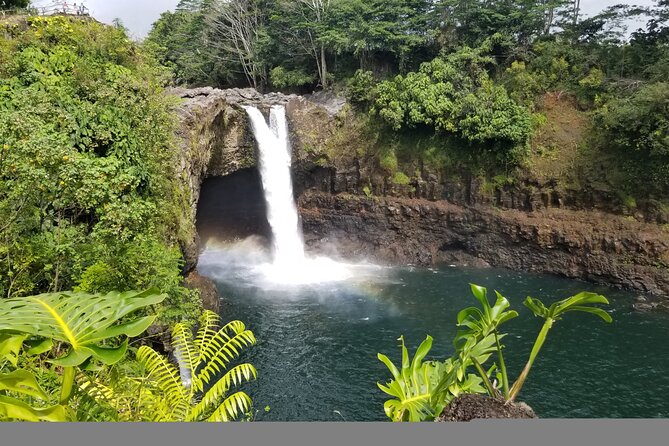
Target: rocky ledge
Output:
[
  {"x": 468, "y": 407},
  {"x": 592, "y": 246}
]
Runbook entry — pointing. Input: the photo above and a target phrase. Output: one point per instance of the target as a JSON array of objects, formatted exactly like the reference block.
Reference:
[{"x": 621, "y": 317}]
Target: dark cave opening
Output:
[{"x": 232, "y": 207}]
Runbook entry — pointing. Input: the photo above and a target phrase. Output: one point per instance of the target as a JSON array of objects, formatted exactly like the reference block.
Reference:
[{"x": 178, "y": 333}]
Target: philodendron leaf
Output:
[
  {"x": 38, "y": 346},
  {"x": 74, "y": 357},
  {"x": 10, "y": 346},
  {"x": 393, "y": 369},
  {"x": 13, "y": 409},
  {"x": 106, "y": 355},
  {"x": 79, "y": 319},
  {"x": 110, "y": 355},
  {"x": 22, "y": 381}
]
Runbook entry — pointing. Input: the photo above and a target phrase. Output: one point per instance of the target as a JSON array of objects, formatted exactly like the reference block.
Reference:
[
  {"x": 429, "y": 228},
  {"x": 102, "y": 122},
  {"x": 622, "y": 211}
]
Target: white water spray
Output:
[{"x": 290, "y": 266}]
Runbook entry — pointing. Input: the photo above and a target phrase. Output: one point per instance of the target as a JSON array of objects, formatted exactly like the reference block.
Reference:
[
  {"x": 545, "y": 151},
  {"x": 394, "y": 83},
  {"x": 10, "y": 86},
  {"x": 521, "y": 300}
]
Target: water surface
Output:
[{"x": 317, "y": 345}]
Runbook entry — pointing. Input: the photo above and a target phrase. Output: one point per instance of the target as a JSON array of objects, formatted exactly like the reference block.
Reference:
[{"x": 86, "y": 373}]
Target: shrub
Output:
[{"x": 284, "y": 78}]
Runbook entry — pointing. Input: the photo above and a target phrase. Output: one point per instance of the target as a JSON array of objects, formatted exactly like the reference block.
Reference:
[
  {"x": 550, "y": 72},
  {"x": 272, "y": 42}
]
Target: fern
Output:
[{"x": 205, "y": 357}]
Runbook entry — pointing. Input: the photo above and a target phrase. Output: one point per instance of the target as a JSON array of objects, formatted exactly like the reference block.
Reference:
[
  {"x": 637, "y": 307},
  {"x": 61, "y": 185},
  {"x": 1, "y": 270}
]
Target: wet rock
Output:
[
  {"x": 644, "y": 304},
  {"x": 614, "y": 251},
  {"x": 472, "y": 407},
  {"x": 211, "y": 300}
]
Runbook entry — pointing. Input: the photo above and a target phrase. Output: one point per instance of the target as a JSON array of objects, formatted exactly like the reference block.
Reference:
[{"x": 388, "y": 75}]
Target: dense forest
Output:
[{"x": 465, "y": 77}]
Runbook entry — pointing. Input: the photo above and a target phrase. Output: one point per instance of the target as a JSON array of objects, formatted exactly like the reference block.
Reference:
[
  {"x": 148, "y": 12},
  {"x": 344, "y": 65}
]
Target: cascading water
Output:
[
  {"x": 290, "y": 265},
  {"x": 275, "y": 162}
]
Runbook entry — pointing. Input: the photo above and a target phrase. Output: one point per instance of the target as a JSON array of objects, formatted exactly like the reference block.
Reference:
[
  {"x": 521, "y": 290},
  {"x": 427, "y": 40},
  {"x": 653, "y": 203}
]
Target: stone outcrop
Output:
[
  {"x": 349, "y": 204},
  {"x": 216, "y": 140},
  {"x": 583, "y": 245}
]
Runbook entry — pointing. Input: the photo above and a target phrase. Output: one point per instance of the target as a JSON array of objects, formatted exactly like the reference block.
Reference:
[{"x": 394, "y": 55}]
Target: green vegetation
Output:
[
  {"x": 203, "y": 397},
  {"x": 457, "y": 85},
  {"x": 75, "y": 345},
  {"x": 14, "y": 4},
  {"x": 636, "y": 131},
  {"x": 456, "y": 97},
  {"x": 86, "y": 323},
  {"x": 421, "y": 390},
  {"x": 88, "y": 198}
]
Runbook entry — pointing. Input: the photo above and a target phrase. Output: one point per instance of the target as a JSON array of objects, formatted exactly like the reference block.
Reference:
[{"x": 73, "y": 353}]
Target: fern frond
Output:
[
  {"x": 167, "y": 379},
  {"x": 182, "y": 341},
  {"x": 221, "y": 352},
  {"x": 95, "y": 390},
  {"x": 223, "y": 335},
  {"x": 236, "y": 404},
  {"x": 94, "y": 397},
  {"x": 234, "y": 377},
  {"x": 208, "y": 323}
]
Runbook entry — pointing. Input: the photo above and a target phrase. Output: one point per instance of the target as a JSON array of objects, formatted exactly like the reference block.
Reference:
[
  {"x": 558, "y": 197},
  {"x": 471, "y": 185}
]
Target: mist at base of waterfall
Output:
[{"x": 249, "y": 263}]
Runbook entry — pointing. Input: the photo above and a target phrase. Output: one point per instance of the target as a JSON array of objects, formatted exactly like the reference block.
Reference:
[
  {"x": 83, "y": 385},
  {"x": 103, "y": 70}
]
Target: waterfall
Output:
[
  {"x": 290, "y": 266},
  {"x": 275, "y": 163}
]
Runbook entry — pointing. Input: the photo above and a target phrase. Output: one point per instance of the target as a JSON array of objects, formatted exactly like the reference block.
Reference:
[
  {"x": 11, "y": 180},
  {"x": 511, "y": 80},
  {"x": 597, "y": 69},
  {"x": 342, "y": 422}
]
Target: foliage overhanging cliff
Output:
[{"x": 88, "y": 197}]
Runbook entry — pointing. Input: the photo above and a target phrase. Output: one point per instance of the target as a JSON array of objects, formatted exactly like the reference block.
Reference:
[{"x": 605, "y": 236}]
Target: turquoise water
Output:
[{"x": 317, "y": 346}]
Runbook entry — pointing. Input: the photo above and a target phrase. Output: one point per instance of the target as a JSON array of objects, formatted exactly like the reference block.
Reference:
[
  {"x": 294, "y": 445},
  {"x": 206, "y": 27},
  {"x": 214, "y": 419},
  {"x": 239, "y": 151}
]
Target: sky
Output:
[{"x": 139, "y": 15}]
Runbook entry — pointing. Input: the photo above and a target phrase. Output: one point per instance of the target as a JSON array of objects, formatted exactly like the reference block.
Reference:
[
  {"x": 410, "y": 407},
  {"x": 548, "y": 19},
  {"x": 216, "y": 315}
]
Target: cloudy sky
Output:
[{"x": 138, "y": 15}]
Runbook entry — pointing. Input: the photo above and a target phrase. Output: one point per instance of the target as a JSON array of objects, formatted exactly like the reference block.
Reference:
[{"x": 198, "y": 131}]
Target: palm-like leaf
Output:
[
  {"x": 165, "y": 376},
  {"x": 411, "y": 386},
  {"x": 80, "y": 319},
  {"x": 578, "y": 302},
  {"x": 205, "y": 358}
]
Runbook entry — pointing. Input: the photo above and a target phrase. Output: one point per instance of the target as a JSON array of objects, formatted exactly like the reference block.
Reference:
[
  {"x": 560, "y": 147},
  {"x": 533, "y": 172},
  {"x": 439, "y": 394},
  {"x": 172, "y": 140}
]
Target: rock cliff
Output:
[{"x": 347, "y": 200}]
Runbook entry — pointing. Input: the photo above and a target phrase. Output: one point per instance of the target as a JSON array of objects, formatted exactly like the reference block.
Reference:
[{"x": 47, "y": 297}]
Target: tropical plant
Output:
[
  {"x": 196, "y": 391},
  {"x": 411, "y": 385},
  {"x": 92, "y": 325},
  {"x": 422, "y": 390},
  {"x": 24, "y": 384},
  {"x": 482, "y": 324},
  {"x": 580, "y": 302}
]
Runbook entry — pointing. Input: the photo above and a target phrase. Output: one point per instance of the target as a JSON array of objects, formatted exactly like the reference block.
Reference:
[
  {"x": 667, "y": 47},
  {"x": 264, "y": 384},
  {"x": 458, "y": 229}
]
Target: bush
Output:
[
  {"x": 283, "y": 78},
  {"x": 360, "y": 88},
  {"x": 455, "y": 97},
  {"x": 636, "y": 131},
  {"x": 87, "y": 162}
]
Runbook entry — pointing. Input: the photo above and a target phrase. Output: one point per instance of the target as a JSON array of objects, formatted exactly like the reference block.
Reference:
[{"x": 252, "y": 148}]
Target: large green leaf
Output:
[
  {"x": 10, "y": 346},
  {"x": 13, "y": 409},
  {"x": 80, "y": 319},
  {"x": 22, "y": 381}
]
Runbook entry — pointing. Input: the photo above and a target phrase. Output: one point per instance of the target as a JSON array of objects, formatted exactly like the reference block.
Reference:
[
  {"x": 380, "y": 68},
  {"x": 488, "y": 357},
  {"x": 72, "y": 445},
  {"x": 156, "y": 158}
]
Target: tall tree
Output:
[{"x": 235, "y": 27}]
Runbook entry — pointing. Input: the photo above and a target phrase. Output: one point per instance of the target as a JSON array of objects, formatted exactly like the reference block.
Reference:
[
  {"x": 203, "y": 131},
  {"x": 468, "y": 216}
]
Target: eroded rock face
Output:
[
  {"x": 216, "y": 138},
  {"x": 592, "y": 246},
  {"x": 350, "y": 206}
]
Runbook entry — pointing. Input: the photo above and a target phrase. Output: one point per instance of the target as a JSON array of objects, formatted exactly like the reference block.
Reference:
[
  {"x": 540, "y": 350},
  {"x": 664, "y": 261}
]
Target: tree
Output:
[
  {"x": 234, "y": 28},
  {"x": 14, "y": 4},
  {"x": 455, "y": 97},
  {"x": 470, "y": 22}
]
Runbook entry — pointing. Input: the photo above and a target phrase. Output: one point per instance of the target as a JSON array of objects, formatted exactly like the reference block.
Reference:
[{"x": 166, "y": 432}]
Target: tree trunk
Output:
[{"x": 324, "y": 69}]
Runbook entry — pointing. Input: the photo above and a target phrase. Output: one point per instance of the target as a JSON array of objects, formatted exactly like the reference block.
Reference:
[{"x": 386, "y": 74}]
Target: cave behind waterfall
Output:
[{"x": 232, "y": 207}]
